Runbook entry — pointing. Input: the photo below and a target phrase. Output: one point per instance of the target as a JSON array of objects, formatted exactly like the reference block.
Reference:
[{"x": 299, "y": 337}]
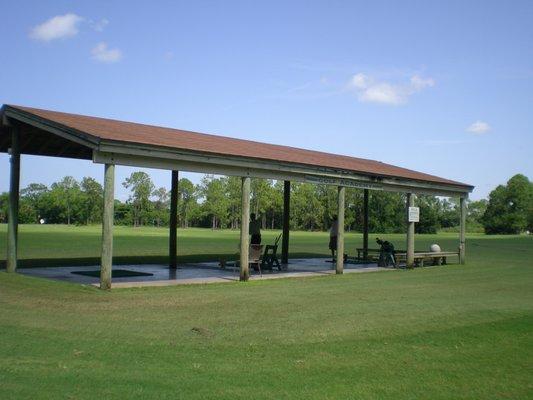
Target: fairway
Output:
[{"x": 440, "y": 333}]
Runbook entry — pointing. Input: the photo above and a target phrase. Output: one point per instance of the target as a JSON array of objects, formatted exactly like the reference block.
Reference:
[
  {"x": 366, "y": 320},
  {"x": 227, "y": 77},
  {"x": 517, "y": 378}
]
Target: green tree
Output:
[
  {"x": 475, "y": 211},
  {"x": 510, "y": 206},
  {"x": 32, "y": 202},
  {"x": 233, "y": 190},
  {"x": 215, "y": 203},
  {"x": 327, "y": 196},
  {"x": 353, "y": 215},
  {"x": 261, "y": 198},
  {"x": 93, "y": 193},
  {"x": 66, "y": 198},
  {"x": 306, "y": 208},
  {"x": 4, "y": 203},
  {"x": 276, "y": 204},
  {"x": 429, "y": 214},
  {"x": 161, "y": 206},
  {"x": 123, "y": 213},
  {"x": 386, "y": 212},
  {"x": 187, "y": 201},
  {"x": 141, "y": 188},
  {"x": 448, "y": 212}
]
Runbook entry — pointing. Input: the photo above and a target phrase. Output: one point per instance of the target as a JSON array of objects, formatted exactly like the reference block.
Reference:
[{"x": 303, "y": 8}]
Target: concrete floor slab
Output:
[{"x": 197, "y": 273}]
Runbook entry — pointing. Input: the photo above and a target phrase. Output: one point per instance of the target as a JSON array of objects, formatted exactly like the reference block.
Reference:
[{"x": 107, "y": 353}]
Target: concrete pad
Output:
[{"x": 198, "y": 273}]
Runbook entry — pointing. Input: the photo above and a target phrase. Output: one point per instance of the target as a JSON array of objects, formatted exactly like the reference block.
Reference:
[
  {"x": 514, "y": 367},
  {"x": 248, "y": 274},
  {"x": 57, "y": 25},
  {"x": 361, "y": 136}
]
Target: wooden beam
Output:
[
  {"x": 64, "y": 149},
  {"x": 462, "y": 230},
  {"x": 245, "y": 222},
  {"x": 5, "y": 137},
  {"x": 13, "y": 209},
  {"x": 410, "y": 233},
  {"x": 24, "y": 140},
  {"x": 155, "y": 157},
  {"x": 340, "y": 230},
  {"x": 365, "y": 224},
  {"x": 173, "y": 237},
  {"x": 106, "y": 264},
  {"x": 43, "y": 145},
  {"x": 286, "y": 222}
]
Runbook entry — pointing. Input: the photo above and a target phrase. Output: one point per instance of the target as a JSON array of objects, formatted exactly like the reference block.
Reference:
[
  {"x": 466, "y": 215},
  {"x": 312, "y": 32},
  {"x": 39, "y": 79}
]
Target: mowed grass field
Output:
[{"x": 450, "y": 332}]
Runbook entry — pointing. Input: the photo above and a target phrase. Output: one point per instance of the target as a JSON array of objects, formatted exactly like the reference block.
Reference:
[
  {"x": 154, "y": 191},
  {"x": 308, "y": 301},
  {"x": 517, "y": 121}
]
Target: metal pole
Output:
[
  {"x": 365, "y": 224},
  {"x": 173, "y": 224},
  {"x": 13, "y": 209},
  {"x": 245, "y": 239},
  {"x": 410, "y": 233},
  {"x": 286, "y": 222},
  {"x": 106, "y": 264},
  {"x": 340, "y": 231},
  {"x": 462, "y": 230}
]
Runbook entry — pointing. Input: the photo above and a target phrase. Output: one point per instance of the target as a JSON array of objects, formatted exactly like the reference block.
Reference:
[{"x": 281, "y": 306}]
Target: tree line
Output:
[{"x": 215, "y": 203}]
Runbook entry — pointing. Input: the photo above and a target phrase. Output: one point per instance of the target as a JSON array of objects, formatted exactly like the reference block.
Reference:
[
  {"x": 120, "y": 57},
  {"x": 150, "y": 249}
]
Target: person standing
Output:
[
  {"x": 255, "y": 229},
  {"x": 333, "y": 237}
]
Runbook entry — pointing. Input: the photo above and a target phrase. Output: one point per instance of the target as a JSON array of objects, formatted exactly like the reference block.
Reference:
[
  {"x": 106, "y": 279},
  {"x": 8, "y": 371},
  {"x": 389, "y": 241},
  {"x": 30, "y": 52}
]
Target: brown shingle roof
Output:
[{"x": 107, "y": 129}]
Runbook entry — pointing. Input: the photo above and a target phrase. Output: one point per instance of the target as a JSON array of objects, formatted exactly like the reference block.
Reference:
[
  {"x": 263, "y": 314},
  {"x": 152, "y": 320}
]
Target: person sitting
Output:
[
  {"x": 255, "y": 229},
  {"x": 333, "y": 237}
]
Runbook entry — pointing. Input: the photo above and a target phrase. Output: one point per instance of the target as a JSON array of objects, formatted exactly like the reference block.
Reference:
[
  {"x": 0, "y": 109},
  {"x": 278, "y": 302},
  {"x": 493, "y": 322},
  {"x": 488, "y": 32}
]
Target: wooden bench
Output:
[
  {"x": 437, "y": 257},
  {"x": 373, "y": 254}
]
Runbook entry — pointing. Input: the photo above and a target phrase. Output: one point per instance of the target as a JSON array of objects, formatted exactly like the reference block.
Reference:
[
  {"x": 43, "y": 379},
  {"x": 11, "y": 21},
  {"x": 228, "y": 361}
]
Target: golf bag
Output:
[{"x": 386, "y": 254}]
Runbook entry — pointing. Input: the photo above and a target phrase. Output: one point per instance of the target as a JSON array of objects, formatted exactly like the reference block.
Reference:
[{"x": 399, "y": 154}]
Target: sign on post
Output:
[{"x": 414, "y": 214}]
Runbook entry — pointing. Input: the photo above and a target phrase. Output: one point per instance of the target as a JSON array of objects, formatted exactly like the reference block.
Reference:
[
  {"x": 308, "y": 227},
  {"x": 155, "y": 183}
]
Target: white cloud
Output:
[
  {"x": 104, "y": 54},
  {"x": 478, "y": 128},
  {"x": 383, "y": 93},
  {"x": 418, "y": 83},
  {"x": 100, "y": 25},
  {"x": 360, "y": 81},
  {"x": 373, "y": 91},
  {"x": 58, "y": 27}
]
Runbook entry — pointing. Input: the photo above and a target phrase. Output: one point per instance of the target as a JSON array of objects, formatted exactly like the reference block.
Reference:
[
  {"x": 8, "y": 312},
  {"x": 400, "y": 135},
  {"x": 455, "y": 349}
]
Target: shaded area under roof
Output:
[{"x": 93, "y": 131}]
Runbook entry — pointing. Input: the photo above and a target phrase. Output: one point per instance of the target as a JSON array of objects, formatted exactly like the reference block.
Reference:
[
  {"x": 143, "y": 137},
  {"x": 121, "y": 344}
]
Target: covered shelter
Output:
[{"x": 25, "y": 130}]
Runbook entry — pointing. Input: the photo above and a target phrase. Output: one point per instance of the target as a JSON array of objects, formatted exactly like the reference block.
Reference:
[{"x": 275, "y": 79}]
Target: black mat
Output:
[{"x": 117, "y": 273}]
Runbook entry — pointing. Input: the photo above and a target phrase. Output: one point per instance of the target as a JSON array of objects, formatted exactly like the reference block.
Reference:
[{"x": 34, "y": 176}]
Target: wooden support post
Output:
[
  {"x": 410, "y": 259},
  {"x": 245, "y": 226},
  {"x": 13, "y": 209},
  {"x": 365, "y": 224},
  {"x": 106, "y": 264},
  {"x": 286, "y": 222},
  {"x": 173, "y": 236},
  {"x": 462, "y": 230},
  {"x": 340, "y": 231}
]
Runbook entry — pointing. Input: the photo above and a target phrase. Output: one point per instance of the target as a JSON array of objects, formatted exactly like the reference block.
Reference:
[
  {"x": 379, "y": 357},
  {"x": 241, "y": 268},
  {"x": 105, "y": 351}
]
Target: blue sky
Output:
[{"x": 440, "y": 87}]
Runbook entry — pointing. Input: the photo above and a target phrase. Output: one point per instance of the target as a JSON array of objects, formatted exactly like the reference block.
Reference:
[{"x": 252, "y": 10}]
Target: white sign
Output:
[{"x": 414, "y": 214}]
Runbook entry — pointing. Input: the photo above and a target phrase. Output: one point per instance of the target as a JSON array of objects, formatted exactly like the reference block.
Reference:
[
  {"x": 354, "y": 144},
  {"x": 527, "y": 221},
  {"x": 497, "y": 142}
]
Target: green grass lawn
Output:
[{"x": 450, "y": 332}]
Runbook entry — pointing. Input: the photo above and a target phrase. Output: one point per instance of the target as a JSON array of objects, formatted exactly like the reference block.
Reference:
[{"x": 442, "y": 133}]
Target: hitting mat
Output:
[{"x": 117, "y": 273}]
